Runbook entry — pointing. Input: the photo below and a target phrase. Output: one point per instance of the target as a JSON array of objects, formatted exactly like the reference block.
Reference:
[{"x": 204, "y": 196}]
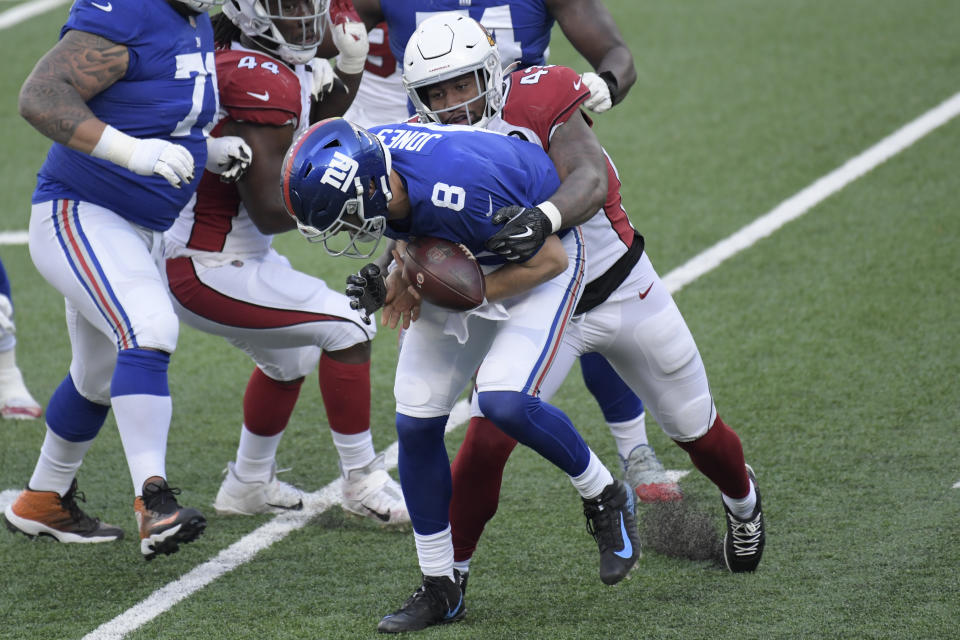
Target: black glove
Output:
[
  {"x": 523, "y": 234},
  {"x": 367, "y": 290}
]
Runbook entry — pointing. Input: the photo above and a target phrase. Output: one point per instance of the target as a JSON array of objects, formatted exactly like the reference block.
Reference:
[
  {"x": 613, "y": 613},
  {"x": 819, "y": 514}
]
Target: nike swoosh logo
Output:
[
  {"x": 627, "y": 550},
  {"x": 452, "y": 612},
  {"x": 576, "y": 85},
  {"x": 382, "y": 516},
  {"x": 525, "y": 234},
  {"x": 107, "y": 7},
  {"x": 644, "y": 294},
  {"x": 260, "y": 96}
]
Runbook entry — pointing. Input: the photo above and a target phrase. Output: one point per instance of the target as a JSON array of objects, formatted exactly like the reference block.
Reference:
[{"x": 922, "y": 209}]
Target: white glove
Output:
[
  {"x": 322, "y": 77},
  {"x": 228, "y": 156},
  {"x": 6, "y": 315},
  {"x": 146, "y": 156},
  {"x": 599, "y": 100},
  {"x": 352, "y": 43}
]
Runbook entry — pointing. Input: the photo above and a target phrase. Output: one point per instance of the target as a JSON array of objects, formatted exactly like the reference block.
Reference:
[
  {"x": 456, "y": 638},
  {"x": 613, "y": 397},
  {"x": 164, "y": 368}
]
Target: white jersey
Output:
[{"x": 381, "y": 98}]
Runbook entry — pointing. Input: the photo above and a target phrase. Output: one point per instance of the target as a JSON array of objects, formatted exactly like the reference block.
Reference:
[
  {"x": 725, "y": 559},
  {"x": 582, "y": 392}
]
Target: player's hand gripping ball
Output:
[{"x": 444, "y": 273}]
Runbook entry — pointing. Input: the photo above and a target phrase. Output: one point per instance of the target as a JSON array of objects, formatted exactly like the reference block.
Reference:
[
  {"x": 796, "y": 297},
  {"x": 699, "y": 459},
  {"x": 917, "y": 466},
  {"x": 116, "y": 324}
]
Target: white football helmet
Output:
[
  {"x": 266, "y": 20},
  {"x": 445, "y": 46},
  {"x": 201, "y": 6}
]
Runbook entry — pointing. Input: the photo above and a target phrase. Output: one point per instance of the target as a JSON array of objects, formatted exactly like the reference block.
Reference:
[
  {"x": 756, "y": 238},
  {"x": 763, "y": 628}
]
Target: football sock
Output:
[
  {"x": 591, "y": 482},
  {"x": 629, "y": 435},
  {"x": 617, "y": 401},
  {"x": 268, "y": 403},
  {"x": 477, "y": 472},
  {"x": 435, "y": 552},
  {"x": 346, "y": 394},
  {"x": 463, "y": 566},
  {"x": 256, "y": 456},
  {"x": 538, "y": 425},
  {"x": 141, "y": 404},
  {"x": 424, "y": 470},
  {"x": 58, "y": 463},
  {"x": 719, "y": 456},
  {"x": 355, "y": 449},
  {"x": 742, "y": 507}
]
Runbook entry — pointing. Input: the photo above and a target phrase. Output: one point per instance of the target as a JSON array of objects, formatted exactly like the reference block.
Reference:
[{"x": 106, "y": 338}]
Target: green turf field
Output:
[{"x": 832, "y": 347}]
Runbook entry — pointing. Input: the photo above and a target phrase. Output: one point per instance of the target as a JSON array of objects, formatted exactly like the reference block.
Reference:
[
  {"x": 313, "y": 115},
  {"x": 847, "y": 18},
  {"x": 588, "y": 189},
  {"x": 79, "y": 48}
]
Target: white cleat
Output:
[
  {"x": 241, "y": 498},
  {"x": 370, "y": 492},
  {"x": 16, "y": 403}
]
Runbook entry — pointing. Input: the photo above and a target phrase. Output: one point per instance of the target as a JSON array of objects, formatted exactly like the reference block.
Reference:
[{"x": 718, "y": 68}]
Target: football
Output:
[{"x": 444, "y": 273}]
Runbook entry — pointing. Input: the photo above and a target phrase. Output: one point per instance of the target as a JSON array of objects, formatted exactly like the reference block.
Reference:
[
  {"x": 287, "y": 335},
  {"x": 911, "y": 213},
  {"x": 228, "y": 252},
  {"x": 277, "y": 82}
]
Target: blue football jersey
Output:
[
  {"x": 520, "y": 27},
  {"x": 458, "y": 176},
  {"x": 169, "y": 92}
]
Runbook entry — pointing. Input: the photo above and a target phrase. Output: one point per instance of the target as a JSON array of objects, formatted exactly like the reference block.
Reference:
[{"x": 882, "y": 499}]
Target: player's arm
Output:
[
  {"x": 54, "y": 100},
  {"x": 259, "y": 187},
  {"x": 591, "y": 30},
  {"x": 370, "y": 12},
  {"x": 54, "y": 96},
  {"x": 581, "y": 165},
  {"x": 516, "y": 278},
  {"x": 334, "y": 90}
]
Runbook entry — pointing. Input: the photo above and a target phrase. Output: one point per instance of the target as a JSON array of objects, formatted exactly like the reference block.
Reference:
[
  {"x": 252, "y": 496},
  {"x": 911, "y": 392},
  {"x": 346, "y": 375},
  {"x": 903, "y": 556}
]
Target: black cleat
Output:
[
  {"x": 164, "y": 524},
  {"x": 743, "y": 543},
  {"x": 437, "y": 601},
  {"x": 611, "y": 522}
]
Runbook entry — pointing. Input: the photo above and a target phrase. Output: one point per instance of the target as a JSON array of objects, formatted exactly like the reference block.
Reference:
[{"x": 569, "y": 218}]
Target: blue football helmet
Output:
[{"x": 336, "y": 180}]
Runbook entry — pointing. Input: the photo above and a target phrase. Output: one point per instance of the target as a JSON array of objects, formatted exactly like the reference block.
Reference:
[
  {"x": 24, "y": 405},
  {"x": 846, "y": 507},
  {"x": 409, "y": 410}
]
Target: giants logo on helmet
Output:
[{"x": 340, "y": 172}]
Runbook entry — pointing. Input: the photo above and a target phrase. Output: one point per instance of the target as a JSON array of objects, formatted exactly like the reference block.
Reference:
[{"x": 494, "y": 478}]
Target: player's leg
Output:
[
  {"x": 508, "y": 383},
  {"x": 16, "y": 403},
  {"x": 623, "y": 411},
  {"x": 287, "y": 321},
  {"x": 648, "y": 343},
  {"x": 76, "y": 412},
  {"x": 432, "y": 371},
  {"x": 109, "y": 270}
]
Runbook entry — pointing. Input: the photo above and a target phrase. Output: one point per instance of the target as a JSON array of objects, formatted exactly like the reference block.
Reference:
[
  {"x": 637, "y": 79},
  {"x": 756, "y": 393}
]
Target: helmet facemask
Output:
[
  {"x": 447, "y": 46},
  {"x": 265, "y": 21},
  {"x": 348, "y": 219}
]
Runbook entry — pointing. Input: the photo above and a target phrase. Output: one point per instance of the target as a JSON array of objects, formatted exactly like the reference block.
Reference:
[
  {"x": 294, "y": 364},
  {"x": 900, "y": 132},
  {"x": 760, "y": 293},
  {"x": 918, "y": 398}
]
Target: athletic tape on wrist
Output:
[
  {"x": 115, "y": 146},
  {"x": 553, "y": 214}
]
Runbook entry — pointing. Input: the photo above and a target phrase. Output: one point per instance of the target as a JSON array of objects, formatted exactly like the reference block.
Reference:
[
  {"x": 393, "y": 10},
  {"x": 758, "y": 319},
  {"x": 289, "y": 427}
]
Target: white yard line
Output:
[
  {"x": 27, "y": 10},
  {"x": 247, "y": 547}
]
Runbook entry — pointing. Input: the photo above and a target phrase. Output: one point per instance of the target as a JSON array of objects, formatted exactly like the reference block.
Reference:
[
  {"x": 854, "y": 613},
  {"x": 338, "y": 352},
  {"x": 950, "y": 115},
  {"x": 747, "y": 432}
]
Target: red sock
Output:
[
  {"x": 719, "y": 456},
  {"x": 477, "y": 474},
  {"x": 268, "y": 403},
  {"x": 346, "y": 395}
]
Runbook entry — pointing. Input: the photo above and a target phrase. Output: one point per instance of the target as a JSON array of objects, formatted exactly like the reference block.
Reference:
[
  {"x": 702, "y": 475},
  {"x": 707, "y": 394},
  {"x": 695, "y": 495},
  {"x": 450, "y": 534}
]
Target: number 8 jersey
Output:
[{"x": 168, "y": 92}]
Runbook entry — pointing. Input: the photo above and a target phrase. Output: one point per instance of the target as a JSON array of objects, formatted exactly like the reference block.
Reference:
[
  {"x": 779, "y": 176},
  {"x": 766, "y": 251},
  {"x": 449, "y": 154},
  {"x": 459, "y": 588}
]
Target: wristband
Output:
[
  {"x": 553, "y": 214},
  {"x": 115, "y": 146}
]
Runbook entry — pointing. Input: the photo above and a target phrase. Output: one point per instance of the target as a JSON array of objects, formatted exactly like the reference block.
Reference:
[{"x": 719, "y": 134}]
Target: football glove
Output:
[
  {"x": 146, "y": 156},
  {"x": 353, "y": 44},
  {"x": 600, "y": 96},
  {"x": 524, "y": 232},
  {"x": 323, "y": 78},
  {"x": 229, "y": 157},
  {"x": 367, "y": 290}
]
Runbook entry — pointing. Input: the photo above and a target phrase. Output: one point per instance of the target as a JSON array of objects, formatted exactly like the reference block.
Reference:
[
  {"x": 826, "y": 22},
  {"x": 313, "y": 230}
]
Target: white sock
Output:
[
  {"x": 629, "y": 435},
  {"x": 256, "y": 455},
  {"x": 591, "y": 482},
  {"x": 463, "y": 566},
  {"x": 742, "y": 507},
  {"x": 435, "y": 552},
  {"x": 355, "y": 449},
  {"x": 143, "y": 421},
  {"x": 58, "y": 463}
]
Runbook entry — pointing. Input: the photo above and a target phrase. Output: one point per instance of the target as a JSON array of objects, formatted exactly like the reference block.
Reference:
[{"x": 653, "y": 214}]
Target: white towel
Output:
[{"x": 456, "y": 324}]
